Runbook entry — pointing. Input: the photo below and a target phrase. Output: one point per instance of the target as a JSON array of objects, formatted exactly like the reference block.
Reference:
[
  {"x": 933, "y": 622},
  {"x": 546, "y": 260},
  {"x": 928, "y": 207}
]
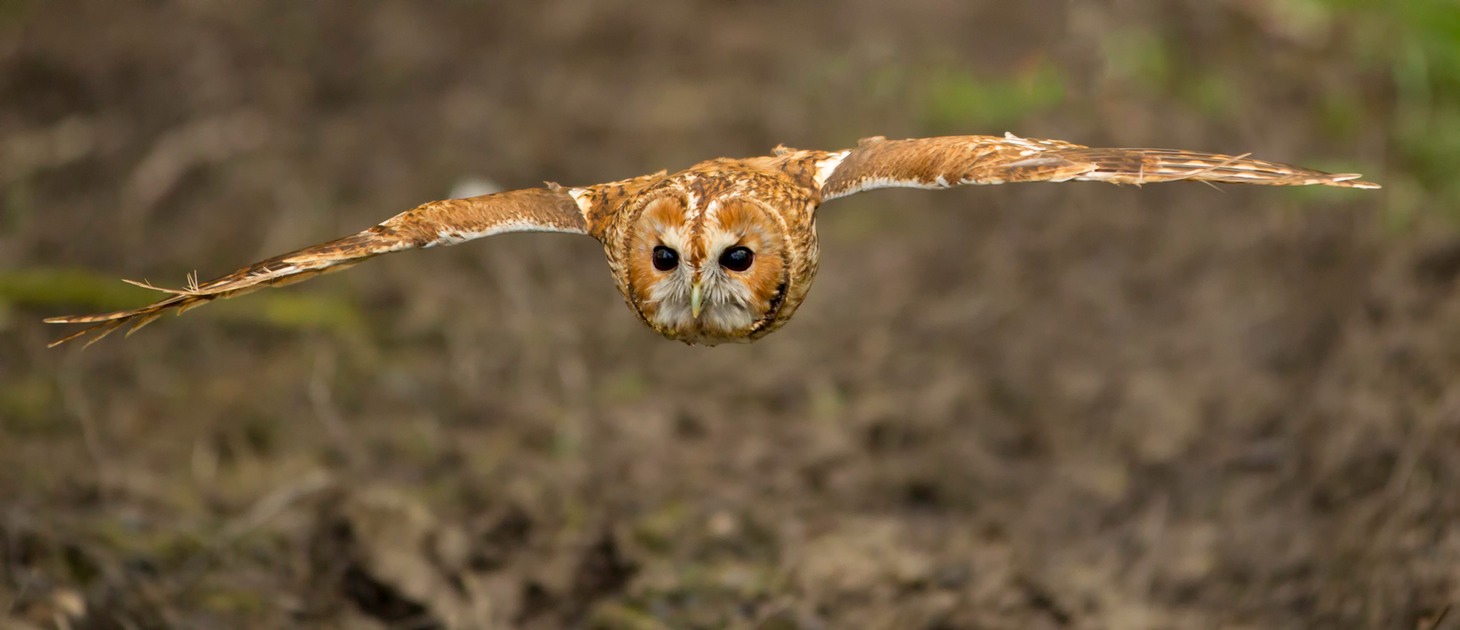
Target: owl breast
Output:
[{"x": 717, "y": 253}]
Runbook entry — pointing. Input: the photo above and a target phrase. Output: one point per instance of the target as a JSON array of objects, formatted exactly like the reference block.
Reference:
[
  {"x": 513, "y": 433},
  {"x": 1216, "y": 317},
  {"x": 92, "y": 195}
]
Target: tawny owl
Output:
[{"x": 726, "y": 249}]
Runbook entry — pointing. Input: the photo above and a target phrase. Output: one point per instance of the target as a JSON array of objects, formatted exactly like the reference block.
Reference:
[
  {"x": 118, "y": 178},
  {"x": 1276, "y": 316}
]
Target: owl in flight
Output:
[{"x": 726, "y": 249}]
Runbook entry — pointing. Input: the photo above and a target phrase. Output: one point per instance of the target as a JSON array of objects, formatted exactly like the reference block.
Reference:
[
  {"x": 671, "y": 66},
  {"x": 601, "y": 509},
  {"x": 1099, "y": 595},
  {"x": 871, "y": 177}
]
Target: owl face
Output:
[{"x": 707, "y": 273}]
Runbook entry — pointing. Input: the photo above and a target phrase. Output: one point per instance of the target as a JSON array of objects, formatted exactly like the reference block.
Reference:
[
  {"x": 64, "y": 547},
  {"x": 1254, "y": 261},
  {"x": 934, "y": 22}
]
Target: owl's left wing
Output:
[
  {"x": 448, "y": 222},
  {"x": 958, "y": 160}
]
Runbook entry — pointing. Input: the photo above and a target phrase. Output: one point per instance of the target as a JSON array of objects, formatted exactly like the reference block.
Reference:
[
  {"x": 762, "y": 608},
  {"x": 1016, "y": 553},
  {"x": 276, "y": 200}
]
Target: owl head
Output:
[{"x": 708, "y": 272}]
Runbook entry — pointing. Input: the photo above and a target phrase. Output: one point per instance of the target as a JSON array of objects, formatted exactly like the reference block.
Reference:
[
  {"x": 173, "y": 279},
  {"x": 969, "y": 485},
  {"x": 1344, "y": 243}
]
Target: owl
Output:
[{"x": 725, "y": 250}]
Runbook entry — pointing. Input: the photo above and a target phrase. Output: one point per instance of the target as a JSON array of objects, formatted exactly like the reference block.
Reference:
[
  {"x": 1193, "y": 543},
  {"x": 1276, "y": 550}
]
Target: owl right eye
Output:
[{"x": 665, "y": 258}]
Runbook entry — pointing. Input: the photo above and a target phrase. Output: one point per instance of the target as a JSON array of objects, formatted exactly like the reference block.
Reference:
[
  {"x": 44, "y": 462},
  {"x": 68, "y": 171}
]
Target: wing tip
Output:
[
  {"x": 90, "y": 319},
  {"x": 67, "y": 338},
  {"x": 192, "y": 291},
  {"x": 102, "y": 330},
  {"x": 82, "y": 319},
  {"x": 1351, "y": 180}
]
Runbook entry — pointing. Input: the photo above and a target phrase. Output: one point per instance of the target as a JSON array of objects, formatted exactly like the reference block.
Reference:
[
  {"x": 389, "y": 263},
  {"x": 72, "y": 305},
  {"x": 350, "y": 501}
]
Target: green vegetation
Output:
[
  {"x": 27, "y": 404},
  {"x": 75, "y": 290},
  {"x": 1412, "y": 51},
  {"x": 69, "y": 288},
  {"x": 956, "y": 100},
  {"x": 1415, "y": 45},
  {"x": 1418, "y": 43},
  {"x": 1148, "y": 63},
  {"x": 13, "y": 11}
]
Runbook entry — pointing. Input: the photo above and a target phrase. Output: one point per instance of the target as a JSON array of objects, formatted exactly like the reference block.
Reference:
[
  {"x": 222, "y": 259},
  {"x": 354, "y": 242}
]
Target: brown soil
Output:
[{"x": 1071, "y": 406}]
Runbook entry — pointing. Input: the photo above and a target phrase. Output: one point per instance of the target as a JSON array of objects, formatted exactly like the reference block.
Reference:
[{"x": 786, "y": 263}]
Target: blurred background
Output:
[{"x": 1038, "y": 406}]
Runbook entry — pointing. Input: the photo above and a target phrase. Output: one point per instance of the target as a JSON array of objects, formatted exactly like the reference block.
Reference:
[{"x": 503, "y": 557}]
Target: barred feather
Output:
[
  {"x": 436, "y": 223},
  {"x": 965, "y": 160}
]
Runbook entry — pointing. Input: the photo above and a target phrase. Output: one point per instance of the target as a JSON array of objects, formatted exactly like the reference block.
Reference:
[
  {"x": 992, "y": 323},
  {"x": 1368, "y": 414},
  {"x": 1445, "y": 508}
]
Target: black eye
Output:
[
  {"x": 665, "y": 258},
  {"x": 737, "y": 258}
]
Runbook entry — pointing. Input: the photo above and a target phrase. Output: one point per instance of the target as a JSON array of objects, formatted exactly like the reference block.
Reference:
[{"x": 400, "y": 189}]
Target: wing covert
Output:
[
  {"x": 949, "y": 161},
  {"x": 445, "y": 222}
]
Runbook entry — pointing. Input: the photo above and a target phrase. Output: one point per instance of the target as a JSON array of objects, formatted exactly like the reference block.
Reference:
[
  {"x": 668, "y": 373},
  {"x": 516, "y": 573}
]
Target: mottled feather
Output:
[
  {"x": 765, "y": 205},
  {"x": 446, "y": 222},
  {"x": 965, "y": 160}
]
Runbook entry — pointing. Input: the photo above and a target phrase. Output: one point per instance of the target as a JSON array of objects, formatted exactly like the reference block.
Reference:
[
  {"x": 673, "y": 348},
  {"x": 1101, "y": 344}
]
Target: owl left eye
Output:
[
  {"x": 737, "y": 258},
  {"x": 665, "y": 258}
]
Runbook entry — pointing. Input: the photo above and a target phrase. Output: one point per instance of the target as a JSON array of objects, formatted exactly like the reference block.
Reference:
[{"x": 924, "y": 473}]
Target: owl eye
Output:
[
  {"x": 665, "y": 258},
  {"x": 737, "y": 258}
]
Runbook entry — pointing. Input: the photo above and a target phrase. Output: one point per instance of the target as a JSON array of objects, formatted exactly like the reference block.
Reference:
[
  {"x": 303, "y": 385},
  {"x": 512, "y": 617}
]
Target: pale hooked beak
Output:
[{"x": 695, "y": 300}]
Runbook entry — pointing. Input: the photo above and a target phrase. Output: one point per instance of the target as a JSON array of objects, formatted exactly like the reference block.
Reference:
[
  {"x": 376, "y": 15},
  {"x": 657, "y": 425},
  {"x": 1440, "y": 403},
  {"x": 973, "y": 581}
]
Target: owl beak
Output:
[{"x": 696, "y": 297}]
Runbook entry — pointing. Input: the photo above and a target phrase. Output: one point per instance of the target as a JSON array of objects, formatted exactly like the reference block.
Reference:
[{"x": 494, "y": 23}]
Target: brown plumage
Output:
[{"x": 726, "y": 249}]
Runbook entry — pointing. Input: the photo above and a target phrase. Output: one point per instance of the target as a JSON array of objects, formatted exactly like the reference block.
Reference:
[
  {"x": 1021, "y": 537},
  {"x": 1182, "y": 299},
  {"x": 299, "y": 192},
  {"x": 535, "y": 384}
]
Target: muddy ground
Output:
[{"x": 1041, "y": 406}]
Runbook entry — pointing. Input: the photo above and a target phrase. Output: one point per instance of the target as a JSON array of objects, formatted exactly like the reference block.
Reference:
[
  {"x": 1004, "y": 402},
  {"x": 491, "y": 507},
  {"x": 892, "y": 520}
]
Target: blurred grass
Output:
[
  {"x": 69, "y": 287},
  {"x": 65, "y": 290},
  {"x": 1149, "y": 63},
  {"x": 27, "y": 403},
  {"x": 956, "y": 100},
  {"x": 14, "y": 11},
  {"x": 1416, "y": 43}
]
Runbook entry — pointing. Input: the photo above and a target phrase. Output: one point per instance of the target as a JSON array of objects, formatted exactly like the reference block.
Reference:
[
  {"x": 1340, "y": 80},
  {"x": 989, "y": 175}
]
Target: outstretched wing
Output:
[
  {"x": 448, "y": 222},
  {"x": 957, "y": 160}
]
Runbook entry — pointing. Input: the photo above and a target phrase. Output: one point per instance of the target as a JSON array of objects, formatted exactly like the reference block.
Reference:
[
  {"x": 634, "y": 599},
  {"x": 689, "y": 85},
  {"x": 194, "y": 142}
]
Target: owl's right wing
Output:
[
  {"x": 961, "y": 160},
  {"x": 448, "y": 222}
]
